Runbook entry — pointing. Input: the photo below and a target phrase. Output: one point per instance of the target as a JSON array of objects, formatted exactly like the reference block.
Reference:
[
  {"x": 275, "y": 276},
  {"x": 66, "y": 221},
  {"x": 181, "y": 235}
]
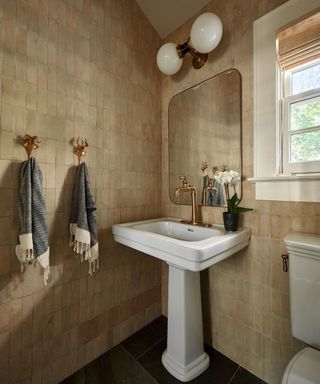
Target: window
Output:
[
  {"x": 271, "y": 183},
  {"x": 301, "y": 119},
  {"x": 298, "y": 48}
]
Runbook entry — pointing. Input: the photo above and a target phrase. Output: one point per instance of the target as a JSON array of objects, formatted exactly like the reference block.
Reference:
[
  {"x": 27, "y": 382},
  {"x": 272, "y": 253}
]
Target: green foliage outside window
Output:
[
  {"x": 305, "y": 146},
  {"x": 305, "y": 115}
]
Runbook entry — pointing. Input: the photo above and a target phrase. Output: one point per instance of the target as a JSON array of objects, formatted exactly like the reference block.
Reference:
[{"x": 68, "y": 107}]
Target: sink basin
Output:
[
  {"x": 177, "y": 230},
  {"x": 189, "y": 247}
]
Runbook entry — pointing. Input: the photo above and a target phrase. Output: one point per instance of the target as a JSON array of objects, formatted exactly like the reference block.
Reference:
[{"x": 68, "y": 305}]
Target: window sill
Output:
[
  {"x": 303, "y": 188},
  {"x": 284, "y": 178}
]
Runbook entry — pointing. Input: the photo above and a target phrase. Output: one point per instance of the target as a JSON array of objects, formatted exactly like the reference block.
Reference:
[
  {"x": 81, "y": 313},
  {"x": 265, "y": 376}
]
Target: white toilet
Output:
[{"x": 304, "y": 274}]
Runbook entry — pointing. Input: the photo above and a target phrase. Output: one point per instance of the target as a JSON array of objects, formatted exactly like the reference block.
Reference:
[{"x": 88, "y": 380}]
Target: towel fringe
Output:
[
  {"x": 84, "y": 250},
  {"x": 25, "y": 256},
  {"x": 46, "y": 274},
  {"x": 93, "y": 265}
]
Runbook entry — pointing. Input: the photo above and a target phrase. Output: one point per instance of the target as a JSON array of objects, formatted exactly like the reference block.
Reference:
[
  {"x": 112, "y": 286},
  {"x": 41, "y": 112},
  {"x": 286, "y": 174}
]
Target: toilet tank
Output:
[{"x": 304, "y": 277}]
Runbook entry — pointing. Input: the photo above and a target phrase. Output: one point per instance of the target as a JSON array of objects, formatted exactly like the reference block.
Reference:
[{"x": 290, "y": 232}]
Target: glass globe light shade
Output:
[
  {"x": 168, "y": 59},
  {"x": 206, "y": 32}
]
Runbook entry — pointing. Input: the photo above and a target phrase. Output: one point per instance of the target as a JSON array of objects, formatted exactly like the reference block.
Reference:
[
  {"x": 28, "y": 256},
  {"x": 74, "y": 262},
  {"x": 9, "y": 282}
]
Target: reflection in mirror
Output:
[{"x": 205, "y": 137}]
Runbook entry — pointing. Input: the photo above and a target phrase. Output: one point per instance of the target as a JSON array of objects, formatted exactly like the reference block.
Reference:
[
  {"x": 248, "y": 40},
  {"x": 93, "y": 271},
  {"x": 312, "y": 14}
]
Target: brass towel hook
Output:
[
  {"x": 79, "y": 147},
  {"x": 30, "y": 143}
]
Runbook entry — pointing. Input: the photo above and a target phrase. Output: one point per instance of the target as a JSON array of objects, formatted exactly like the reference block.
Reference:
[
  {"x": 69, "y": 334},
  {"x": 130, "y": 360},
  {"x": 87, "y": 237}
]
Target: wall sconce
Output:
[{"x": 205, "y": 35}]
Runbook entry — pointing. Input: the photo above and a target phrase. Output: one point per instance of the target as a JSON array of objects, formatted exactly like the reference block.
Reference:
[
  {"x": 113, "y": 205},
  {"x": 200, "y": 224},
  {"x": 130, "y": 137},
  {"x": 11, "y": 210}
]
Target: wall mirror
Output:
[{"x": 205, "y": 129}]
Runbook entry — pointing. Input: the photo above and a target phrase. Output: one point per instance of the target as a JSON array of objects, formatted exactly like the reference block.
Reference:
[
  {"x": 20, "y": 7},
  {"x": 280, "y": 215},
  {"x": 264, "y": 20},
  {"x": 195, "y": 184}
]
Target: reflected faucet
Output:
[
  {"x": 206, "y": 189},
  {"x": 186, "y": 187}
]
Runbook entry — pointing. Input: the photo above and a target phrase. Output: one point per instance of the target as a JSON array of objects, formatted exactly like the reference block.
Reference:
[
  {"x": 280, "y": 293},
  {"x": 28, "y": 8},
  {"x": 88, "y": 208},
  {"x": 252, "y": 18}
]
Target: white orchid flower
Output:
[{"x": 227, "y": 177}]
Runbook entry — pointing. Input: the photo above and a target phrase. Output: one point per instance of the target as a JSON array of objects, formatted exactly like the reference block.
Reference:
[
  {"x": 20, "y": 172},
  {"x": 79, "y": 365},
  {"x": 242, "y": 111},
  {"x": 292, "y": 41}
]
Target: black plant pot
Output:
[{"x": 231, "y": 221}]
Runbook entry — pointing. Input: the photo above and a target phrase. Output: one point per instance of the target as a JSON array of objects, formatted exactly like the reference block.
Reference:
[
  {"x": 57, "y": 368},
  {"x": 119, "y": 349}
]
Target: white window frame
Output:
[
  {"x": 299, "y": 167},
  {"x": 288, "y": 100},
  {"x": 271, "y": 182}
]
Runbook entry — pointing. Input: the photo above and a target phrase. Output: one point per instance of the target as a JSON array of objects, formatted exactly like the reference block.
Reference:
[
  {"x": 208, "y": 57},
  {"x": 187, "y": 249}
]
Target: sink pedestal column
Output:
[{"x": 184, "y": 357}]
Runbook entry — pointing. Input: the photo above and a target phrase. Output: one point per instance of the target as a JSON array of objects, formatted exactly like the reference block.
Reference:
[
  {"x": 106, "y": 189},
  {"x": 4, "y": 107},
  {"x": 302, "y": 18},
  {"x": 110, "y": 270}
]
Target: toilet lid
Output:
[{"x": 304, "y": 368}]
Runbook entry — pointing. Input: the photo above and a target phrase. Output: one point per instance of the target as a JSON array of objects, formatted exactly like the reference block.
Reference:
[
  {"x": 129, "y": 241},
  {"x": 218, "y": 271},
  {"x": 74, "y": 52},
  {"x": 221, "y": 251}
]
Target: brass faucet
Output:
[
  {"x": 186, "y": 187},
  {"x": 206, "y": 189}
]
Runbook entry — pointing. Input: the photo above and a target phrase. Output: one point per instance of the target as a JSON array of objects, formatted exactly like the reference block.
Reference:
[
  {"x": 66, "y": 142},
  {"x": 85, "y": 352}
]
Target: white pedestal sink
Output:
[{"x": 188, "y": 249}]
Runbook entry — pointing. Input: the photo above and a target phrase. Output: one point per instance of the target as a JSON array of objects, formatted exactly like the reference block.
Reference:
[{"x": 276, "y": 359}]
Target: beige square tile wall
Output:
[
  {"x": 77, "y": 68},
  {"x": 245, "y": 298}
]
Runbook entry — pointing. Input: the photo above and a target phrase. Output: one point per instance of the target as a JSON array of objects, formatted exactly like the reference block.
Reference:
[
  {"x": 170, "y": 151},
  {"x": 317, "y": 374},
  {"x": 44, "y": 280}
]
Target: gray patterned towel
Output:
[
  {"x": 83, "y": 228},
  {"x": 32, "y": 244}
]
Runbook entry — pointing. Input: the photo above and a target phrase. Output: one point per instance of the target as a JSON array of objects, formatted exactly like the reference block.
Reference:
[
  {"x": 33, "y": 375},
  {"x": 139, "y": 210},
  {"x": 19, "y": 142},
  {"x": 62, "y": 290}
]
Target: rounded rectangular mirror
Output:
[{"x": 205, "y": 137}]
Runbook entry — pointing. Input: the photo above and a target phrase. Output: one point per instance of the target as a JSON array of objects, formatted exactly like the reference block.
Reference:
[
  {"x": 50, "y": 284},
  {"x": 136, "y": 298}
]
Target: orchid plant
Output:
[{"x": 229, "y": 179}]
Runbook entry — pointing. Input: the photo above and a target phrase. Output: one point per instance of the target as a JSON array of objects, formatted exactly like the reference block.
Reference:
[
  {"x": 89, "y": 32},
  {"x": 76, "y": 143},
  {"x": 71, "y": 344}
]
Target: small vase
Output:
[{"x": 230, "y": 221}]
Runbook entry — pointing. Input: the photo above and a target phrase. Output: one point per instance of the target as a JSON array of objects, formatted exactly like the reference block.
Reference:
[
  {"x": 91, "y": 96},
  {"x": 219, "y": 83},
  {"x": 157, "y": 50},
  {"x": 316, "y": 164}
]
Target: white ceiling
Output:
[{"x": 167, "y": 15}]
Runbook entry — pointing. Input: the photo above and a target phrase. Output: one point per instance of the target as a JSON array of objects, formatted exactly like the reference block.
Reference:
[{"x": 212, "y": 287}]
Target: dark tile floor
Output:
[{"x": 138, "y": 361}]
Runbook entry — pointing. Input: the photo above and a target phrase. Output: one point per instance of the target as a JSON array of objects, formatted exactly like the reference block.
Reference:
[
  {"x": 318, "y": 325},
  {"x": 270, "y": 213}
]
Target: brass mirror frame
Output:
[{"x": 240, "y": 170}]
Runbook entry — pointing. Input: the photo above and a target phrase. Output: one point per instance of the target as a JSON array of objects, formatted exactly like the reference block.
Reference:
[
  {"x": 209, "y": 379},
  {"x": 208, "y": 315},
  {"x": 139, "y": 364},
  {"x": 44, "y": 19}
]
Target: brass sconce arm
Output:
[{"x": 199, "y": 59}]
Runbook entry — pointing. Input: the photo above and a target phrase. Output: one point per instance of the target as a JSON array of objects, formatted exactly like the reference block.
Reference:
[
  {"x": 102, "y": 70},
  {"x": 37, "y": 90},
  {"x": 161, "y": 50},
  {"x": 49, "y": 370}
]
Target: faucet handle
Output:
[{"x": 185, "y": 181}]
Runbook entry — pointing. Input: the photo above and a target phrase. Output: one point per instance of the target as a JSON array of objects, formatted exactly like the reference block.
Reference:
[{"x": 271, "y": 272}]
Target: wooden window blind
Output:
[{"x": 299, "y": 41}]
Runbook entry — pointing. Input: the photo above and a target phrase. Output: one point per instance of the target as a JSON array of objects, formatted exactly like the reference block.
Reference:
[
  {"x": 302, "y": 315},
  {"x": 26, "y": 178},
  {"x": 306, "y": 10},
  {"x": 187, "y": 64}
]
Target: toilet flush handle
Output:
[{"x": 285, "y": 262}]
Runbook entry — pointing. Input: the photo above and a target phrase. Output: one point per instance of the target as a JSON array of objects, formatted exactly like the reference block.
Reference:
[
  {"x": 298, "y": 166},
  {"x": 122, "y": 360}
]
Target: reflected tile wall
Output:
[
  {"x": 77, "y": 68},
  {"x": 204, "y": 126},
  {"x": 245, "y": 298}
]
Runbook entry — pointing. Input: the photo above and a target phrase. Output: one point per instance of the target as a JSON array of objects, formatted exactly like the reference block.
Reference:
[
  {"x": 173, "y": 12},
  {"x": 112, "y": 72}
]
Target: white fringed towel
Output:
[
  {"x": 83, "y": 228},
  {"x": 32, "y": 244}
]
